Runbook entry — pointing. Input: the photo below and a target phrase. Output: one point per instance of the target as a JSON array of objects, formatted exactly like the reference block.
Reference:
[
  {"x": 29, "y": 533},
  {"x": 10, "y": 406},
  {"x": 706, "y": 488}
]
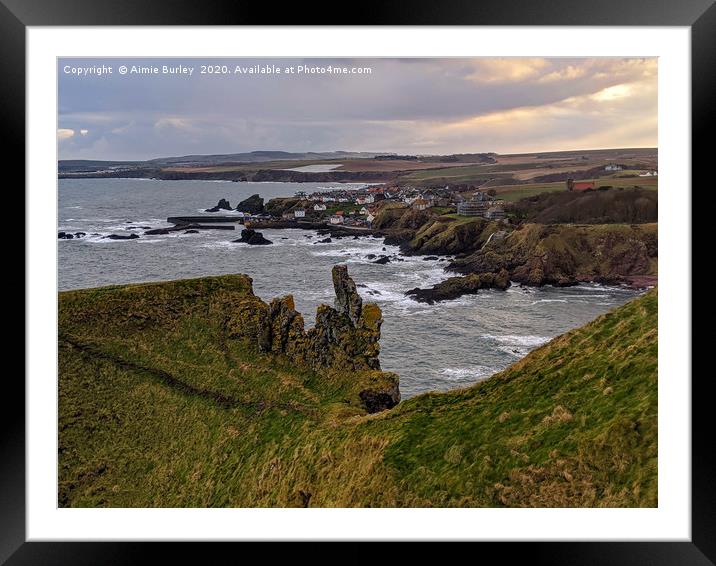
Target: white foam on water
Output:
[
  {"x": 529, "y": 340},
  {"x": 226, "y": 244},
  {"x": 467, "y": 373},
  {"x": 549, "y": 301}
]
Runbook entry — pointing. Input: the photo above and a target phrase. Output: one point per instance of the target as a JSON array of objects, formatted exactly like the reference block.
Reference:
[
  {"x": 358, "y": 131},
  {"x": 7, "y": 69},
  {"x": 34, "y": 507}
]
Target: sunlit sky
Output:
[{"x": 416, "y": 106}]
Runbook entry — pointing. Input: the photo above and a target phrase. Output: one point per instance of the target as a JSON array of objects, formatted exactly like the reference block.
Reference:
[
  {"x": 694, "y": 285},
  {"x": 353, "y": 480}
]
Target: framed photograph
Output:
[{"x": 407, "y": 280}]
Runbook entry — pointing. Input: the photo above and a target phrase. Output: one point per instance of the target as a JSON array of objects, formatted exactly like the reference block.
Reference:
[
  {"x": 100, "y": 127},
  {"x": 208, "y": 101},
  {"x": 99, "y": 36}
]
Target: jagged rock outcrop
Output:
[
  {"x": 348, "y": 301},
  {"x": 223, "y": 204},
  {"x": 455, "y": 287},
  {"x": 344, "y": 338},
  {"x": 253, "y": 205},
  {"x": 253, "y": 238}
]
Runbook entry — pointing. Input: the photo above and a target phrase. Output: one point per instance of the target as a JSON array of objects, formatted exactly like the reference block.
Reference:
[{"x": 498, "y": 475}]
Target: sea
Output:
[{"x": 438, "y": 347}]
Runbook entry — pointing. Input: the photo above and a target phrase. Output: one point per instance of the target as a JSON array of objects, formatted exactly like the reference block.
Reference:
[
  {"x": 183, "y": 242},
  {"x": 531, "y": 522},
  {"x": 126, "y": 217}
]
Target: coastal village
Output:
[{"x": 357, "y": 207}]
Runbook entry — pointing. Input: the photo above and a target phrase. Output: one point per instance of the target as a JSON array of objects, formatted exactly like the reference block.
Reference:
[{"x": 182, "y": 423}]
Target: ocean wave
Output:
[
  {"x": 528, "y": 340},
  {"x": 467, "y": 373},
  {"x": 548, "y": 301}
]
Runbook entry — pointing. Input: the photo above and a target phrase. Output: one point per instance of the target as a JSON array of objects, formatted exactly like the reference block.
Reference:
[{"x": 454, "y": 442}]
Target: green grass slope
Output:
[{"x": 161, "y": 406}]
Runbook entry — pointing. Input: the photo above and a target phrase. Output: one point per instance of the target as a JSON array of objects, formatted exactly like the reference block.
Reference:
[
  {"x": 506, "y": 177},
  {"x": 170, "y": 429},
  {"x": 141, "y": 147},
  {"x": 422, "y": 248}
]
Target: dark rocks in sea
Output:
[
  {"x": 121, "y": 237},
  {"x": 65, "y": 236},
  {"x": 455, "y": 287},
  {"x": 253, "y": 238},
  {"x": 324, "y": 241},
  {"x": 192, "y": 231},
  {"x": 370, "y": 256},
  {"x": 253, "y": 205},
  {"x": 382, "y": 260},
  {"x": 430, "y": 258},
  {"x": 157, "y": 232},
  {"x": 223, "y": 204}
]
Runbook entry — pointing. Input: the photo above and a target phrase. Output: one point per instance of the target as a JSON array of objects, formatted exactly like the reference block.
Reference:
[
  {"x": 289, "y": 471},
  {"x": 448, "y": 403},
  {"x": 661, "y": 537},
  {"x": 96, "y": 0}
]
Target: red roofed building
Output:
[{"x": 580, "y": 186}]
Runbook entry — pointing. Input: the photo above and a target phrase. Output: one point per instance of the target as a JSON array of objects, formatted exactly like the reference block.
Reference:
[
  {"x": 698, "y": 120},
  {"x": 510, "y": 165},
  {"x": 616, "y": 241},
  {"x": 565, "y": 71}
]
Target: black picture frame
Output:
[{"x": 16, "y": 15}]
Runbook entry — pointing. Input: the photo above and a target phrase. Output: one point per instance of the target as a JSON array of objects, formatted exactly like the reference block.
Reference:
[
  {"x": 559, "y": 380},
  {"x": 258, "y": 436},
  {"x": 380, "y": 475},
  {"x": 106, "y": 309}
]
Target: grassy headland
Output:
[{"x": 197, "y": 393}]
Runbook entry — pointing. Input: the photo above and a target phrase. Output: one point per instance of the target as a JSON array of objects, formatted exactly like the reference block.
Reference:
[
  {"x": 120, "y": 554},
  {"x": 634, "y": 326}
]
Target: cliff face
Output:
[
  {"x": 566, "y": 254},
  {"x": 428, "y": 232}
]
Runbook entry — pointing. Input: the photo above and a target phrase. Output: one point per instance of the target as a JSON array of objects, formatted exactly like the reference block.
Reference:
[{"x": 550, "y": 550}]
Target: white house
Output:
[
  {"x": 319, "y": 207},
  {"x": 363, "y": 211},
  {"x": 337, "y": 219},
  {"x": 613, "y": 167},
  {"x": 299, "y": 213},
  {"x": 369, "y": 218}
]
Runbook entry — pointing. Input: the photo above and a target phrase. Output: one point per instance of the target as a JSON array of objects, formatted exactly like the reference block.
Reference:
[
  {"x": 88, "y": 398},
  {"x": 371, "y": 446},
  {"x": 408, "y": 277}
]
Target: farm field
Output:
[{"x": 513, "y": 193}]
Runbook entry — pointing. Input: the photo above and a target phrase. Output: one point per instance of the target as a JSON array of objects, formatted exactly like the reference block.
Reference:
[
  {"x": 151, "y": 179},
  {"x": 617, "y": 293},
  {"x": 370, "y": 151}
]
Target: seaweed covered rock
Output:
[
  {"x": 121, "y": 237},
  {"x": 455, "y": 287},
  {"x": 253, "y": 238}
]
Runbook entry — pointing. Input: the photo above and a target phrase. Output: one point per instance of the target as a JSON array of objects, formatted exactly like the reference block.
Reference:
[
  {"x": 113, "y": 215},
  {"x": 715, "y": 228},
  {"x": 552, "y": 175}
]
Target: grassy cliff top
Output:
[{"x": 165, "y": 402}]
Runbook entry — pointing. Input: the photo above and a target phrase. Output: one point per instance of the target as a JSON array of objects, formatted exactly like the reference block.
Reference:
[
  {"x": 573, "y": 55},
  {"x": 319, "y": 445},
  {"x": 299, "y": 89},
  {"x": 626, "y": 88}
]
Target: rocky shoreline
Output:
[{"x": 482, "y": 254}]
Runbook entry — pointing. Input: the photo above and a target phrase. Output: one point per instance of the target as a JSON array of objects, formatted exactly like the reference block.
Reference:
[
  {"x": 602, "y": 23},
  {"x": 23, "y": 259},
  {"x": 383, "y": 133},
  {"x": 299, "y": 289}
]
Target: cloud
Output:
[
  {"x": 404, "y": 105},
  {"x": 64, "y": 133}
]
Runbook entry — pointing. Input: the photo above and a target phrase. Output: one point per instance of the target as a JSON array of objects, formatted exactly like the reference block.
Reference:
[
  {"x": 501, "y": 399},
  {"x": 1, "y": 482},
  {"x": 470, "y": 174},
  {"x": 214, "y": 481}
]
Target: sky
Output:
[{"x": 411, "y": 106}]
